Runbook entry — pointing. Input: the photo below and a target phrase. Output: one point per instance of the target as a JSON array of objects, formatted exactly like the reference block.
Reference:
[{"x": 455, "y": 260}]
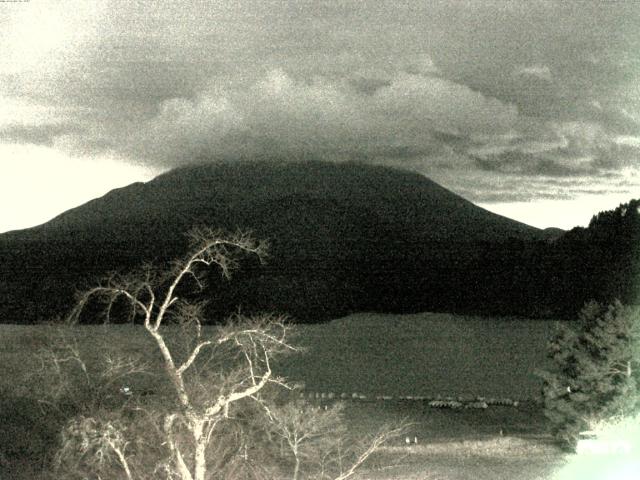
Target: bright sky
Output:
[
  {"x": 42, "y": 183},
  {"x": 527, "y": 108},
  {"x": 564, "y": 214}
]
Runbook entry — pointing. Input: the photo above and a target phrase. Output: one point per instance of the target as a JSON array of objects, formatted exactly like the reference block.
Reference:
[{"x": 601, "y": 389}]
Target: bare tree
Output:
[
  {"x": 255, "y": 340},
  {"x": 316, "y": 436},
  {"x": 305, "y": 430},
  {"x": 211, "y": 375},
  {"x": 67, "y": 380}
]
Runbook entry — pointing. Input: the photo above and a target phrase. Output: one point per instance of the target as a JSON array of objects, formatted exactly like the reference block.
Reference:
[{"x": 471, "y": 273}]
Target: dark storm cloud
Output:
[
  {"x": 523, "y": 163},
  {"x": 487, "y": 188},
  {"x": 600, "y": 161},
  {"x": 368, "y": 85},
  {"x": 461, "y": 91},
  {"x": 617, "y": 157}
]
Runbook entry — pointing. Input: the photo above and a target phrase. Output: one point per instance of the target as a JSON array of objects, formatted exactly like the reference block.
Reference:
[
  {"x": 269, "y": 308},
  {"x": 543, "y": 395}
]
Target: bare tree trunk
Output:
[
  {"x": 296, "y": 468},
  {"x": 200, "y": 468}
]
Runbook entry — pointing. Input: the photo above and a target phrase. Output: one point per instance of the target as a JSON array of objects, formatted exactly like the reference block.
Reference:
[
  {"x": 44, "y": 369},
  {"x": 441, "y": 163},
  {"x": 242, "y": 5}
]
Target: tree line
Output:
[{"x": 318, "y": 270}]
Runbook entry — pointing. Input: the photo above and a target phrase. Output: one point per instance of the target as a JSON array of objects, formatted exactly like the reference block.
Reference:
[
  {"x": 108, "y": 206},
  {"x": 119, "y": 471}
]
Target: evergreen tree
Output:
[{"x": 594, "y": 374}]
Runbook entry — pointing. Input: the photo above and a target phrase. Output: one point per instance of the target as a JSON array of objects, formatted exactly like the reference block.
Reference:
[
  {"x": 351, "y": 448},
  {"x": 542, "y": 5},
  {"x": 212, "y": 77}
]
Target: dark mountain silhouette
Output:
[
  {"x": 600, "y": 262},
  {"x": 552, "y": 233},
  {"x": 344, "y": 238}
]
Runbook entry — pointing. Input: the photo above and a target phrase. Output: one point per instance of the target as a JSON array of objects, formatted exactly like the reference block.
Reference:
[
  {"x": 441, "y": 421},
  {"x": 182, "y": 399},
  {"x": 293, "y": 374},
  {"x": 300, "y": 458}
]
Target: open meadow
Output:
[
  {"x": 395, "y": 364},
  {"x": 396, "y": 355}
]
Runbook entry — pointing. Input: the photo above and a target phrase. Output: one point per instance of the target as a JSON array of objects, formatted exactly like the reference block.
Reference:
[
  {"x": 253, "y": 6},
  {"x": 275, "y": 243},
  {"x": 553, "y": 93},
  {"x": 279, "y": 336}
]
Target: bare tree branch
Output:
[
  {"x": 183, "y": 470},
  {"x": 193, "y": 356},
  {"x": 384, "y": 436}
]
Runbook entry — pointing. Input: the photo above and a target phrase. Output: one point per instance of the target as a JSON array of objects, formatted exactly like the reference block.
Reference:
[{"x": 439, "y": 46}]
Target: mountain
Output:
[
  {"x": 552, "y": 233},
  {"x": 204, "y": 190},
  {"x": 343, "y": 238}
]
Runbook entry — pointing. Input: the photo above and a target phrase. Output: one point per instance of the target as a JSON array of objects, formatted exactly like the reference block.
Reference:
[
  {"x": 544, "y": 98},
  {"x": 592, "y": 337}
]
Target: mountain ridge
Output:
[
  {"x": 296, "y": 184},
  {"x": 345, "y": 237}
]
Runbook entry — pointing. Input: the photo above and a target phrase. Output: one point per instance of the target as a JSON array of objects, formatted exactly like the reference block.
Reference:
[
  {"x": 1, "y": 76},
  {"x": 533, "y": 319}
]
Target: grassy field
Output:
[
  {"x": 498, "y": 443},
  {"x": 398, "y": 355},
  {"x": 505, "y": 458},
  {"x": 411, "y": 355},
  {"x": 423, "y": 355}
]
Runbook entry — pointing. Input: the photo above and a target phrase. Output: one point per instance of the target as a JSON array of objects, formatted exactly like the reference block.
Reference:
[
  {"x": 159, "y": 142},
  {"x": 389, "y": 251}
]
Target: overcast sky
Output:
[{"x": 530, "y": 109}]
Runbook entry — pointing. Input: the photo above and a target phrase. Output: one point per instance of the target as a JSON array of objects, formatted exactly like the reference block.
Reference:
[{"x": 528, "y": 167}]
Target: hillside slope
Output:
[
  {"x": 206, "y": 190},
  {"x": 344, "y": 238}
]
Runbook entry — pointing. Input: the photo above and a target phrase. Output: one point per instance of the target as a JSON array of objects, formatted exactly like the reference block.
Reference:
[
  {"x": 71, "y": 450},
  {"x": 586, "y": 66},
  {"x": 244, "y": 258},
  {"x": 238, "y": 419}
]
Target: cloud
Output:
[
  {"x": 26, "y": 121},
  {"x": 628, "y": 140},
  {"x": 580, "y": 152},
  {"x": 17, "y": 111},
  {"x": 541, "y": 72},
  {"x": 283, "y": 115},
  {"x": 46, "y": 134},
  {"x": 551, "y": 164},
  {"x": 444, "y": 105},
  {"x": 420, "y": 64},
  {"x": 477, "y": 95}
]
